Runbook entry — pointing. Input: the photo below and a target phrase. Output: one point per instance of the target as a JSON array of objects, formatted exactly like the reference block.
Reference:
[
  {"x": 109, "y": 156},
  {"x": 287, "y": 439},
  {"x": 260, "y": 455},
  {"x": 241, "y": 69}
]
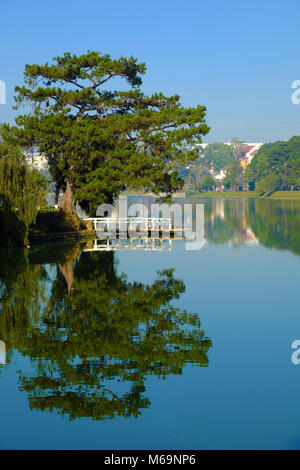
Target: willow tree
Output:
[
  {"x": 98, "y": 141},
  {"x": 22, "y": 187}
]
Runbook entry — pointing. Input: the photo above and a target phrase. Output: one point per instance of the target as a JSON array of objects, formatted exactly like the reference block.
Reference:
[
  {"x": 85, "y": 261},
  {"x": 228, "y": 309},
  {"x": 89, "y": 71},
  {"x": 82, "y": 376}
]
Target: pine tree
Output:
[{"x": 100, "y": 142}]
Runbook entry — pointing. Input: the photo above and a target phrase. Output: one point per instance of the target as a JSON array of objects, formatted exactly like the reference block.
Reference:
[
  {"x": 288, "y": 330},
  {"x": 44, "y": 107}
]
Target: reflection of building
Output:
[
  {"x": 219, "y": 209},
  {"x": 249, "y": 237},
  {"x": 244, "y": 237}
]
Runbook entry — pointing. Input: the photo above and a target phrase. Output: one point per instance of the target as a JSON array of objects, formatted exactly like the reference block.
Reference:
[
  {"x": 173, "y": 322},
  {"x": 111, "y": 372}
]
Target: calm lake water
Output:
[{"x": 163, "y": 348}]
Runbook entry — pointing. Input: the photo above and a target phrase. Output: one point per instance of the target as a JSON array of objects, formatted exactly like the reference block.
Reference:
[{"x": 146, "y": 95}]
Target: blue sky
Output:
[{"x": 238, "y": 58}]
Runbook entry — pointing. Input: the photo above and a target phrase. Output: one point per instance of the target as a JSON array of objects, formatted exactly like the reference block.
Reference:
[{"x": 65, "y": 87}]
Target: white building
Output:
[
  {"x": 220, "y": 175},
  {"x": 36, "y": 159}
]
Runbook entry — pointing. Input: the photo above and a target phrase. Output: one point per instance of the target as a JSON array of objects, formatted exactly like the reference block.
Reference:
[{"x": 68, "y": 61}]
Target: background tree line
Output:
[
  {"x": 276, "y": 166},
  {"x": 199, "y": 176}
]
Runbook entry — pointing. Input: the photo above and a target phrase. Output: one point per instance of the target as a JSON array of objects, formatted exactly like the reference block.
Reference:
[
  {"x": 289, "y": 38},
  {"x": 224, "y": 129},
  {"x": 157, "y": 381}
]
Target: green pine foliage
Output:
[{"x": 100, "y": 142}]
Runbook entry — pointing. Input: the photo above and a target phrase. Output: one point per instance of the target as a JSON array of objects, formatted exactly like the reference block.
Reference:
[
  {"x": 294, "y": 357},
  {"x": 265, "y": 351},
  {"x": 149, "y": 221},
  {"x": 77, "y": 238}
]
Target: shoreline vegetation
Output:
[
  {"x": 58, "y": 226},
  {"x": 295, "y": 195},
  {"x": 225, "y": 194}
]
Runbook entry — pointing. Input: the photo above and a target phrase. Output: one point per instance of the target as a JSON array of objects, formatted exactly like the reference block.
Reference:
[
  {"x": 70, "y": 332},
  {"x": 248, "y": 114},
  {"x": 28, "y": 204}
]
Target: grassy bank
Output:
[
  {"x": 285, "y": 195},
  {"x": 247, "y": 194},
  {"x": 59, "y": 226},
  {"x": 224, "y": 194}
]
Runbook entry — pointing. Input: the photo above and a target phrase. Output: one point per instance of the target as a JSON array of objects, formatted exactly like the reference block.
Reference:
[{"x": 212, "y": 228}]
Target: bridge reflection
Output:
[{"x": 145, "y": 243}]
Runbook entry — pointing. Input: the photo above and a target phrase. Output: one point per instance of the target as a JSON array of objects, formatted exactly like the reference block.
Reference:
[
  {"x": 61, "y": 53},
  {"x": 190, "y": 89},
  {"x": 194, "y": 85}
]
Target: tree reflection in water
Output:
[{"x": 96, "y": 337}]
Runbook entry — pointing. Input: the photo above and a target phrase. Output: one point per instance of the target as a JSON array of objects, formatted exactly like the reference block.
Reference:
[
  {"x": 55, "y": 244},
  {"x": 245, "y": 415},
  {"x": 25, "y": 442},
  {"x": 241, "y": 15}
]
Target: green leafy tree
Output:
[
  {"x": 99, "y": 142},
  {"x": 234, "y": 178},
  {"x": 293, "y": 173},
  {"x": 280, "y": 158},
  {"x": 207, "y": 183},
  {"x": 218, "y": 155},
  {"x": 268, "y": 184},
  {"x": 12, "y": 230},
  {"x": 194, "y": 177},
  {"x": 23, "y": 187}
]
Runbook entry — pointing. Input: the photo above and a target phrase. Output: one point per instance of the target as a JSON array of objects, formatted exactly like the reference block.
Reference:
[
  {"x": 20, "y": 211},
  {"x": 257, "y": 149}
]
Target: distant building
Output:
[
  {"x": 248, "y": 152},
  {"x": 220, "y": 175},
  {"x": 203, "y": 146},
  {"x": 36, "y": 159}
]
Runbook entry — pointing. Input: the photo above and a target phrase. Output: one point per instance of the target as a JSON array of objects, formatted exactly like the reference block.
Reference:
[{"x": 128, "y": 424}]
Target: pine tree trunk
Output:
[
  {"x": 67, "y": 271},
  {"x": 67, "y": 203},
  {"x": 56, "y": 195}
]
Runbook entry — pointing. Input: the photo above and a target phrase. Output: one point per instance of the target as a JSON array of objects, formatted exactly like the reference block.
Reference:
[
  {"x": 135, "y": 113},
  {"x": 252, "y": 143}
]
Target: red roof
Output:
[{"x": 247, "y": 148}]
